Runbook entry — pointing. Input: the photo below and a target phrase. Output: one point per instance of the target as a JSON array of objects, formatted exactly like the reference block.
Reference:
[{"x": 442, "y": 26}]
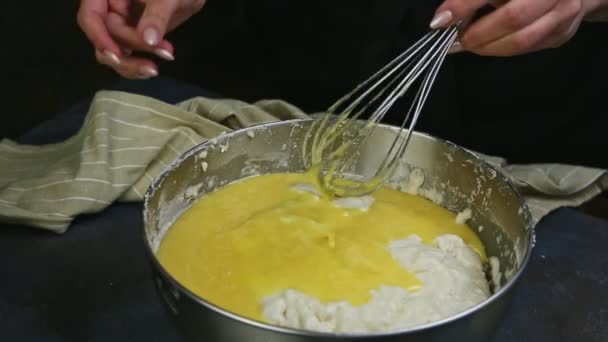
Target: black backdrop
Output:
[{"x": 544, "y": 107}]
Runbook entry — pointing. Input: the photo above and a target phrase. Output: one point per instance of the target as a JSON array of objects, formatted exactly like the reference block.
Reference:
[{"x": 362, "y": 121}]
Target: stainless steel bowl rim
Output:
[{"x": 510, "y": 283}]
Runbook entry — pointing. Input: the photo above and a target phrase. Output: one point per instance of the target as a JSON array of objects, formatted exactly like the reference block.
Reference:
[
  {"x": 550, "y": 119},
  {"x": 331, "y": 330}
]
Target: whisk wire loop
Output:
[{"x": 334, "y": 149}]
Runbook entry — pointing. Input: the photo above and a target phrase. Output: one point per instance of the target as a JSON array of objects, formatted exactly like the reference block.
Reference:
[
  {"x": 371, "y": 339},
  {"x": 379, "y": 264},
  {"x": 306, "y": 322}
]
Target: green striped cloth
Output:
[
  {"x": 126, "y": 140},
  {"x": 547, "y": 187}
]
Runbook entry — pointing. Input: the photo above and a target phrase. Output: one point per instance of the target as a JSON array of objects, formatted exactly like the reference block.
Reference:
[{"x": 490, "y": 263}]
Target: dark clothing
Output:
[{"x": 543, "y": 107}]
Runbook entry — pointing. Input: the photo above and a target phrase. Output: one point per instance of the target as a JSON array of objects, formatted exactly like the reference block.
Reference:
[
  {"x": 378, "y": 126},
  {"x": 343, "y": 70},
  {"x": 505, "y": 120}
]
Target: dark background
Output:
[
  {"x": 49, "y": 62},
  {"x": 544, "y": 107}
]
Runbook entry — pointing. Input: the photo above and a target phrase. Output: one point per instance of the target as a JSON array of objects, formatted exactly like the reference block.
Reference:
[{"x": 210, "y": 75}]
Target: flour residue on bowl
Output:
[
  {"x": 463, "y": 216},
  {"x": 411, "y": 181}
]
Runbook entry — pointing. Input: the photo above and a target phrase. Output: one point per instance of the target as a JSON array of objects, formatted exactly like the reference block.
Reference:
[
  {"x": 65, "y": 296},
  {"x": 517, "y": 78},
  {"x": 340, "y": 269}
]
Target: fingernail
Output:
[
  {"x": 151, "y": 36},
  {"x": 111, "y": 56},
  {"x": 147, "y": 72},
  {"x": 165, "y": 54},
  {"x": 441, "y": 19},
  {"x": 455, "y": 48}
]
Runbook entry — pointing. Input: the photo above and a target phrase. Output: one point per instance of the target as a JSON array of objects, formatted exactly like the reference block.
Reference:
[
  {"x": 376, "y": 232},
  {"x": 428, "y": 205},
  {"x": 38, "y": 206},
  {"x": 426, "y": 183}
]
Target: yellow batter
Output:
[{"x": 260, "y": 236}]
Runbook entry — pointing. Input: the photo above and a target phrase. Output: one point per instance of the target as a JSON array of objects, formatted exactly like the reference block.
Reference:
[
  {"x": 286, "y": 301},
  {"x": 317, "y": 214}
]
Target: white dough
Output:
[
  {"x": 362, "y": 203},
  {"x": 451, "y": 273},
  {"x": 306, "y": 187}
]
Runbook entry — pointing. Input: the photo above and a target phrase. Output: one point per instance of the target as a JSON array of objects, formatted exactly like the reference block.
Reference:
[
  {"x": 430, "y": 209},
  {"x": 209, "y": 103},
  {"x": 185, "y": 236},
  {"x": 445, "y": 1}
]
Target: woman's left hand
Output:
[{"x": 516, "y": 26}]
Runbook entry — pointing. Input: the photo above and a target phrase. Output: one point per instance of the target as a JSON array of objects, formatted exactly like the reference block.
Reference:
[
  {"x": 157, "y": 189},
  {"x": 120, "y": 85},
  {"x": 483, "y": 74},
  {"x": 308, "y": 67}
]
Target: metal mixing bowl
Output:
[{"x": 462, "y": 179}]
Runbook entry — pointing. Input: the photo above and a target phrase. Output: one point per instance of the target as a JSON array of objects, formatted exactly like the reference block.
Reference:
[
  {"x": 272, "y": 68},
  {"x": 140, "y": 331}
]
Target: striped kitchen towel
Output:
[
  {"x": 547, "y": 187},
  {"x": 126, "y": 140}
]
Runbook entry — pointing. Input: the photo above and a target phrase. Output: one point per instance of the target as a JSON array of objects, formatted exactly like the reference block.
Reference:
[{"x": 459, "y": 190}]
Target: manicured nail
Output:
[
  {"x": 165, "y": 54},
  {"x": 112, "y": 57},
  {"x": 151, "y": 36},
  {"x": 147, "y": 72},
  {"x": 455, "y": 48},
  {"x": 441, "y": 19}
]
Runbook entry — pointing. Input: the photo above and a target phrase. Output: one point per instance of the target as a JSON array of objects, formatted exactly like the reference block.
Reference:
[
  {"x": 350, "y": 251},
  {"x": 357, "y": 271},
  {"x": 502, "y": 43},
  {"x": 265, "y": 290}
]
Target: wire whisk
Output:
[{"x": 375, "y": 96}]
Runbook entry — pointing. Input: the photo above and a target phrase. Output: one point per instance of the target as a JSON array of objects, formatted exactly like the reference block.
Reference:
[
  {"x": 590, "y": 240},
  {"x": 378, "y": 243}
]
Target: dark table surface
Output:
[{"x": 94, "y": 283}]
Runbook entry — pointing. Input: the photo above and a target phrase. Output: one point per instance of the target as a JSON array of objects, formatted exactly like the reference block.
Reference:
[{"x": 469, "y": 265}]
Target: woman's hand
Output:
[
  {"x": 516, "y": 26},
  {"x": 117, "y": 28}
]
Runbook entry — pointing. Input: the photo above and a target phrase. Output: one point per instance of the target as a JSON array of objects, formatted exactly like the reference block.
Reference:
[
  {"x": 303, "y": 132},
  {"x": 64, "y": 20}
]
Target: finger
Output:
[
  {"x": 455, "y": 48},
  {"x": 532, "y": 37},
  {"x": 184, "y": 13},
  {"x": 130, "y": 38},
  {"x": 91, "y": 19},
  {"x": 512, "y": 17},
  {"x": 452, "y": 11},
  {"x": 154, "y": 21},
  {"x": 561, "y": 35},
  {"x": 121, "y": 7},
  {"x": 497, "y": 3},
  {"x": 130, "y": 67}
]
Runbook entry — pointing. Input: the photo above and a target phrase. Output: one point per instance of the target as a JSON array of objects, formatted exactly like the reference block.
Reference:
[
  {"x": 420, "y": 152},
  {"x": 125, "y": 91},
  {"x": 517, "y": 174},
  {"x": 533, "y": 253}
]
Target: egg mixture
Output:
[{"x": 263, "y": 235}]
